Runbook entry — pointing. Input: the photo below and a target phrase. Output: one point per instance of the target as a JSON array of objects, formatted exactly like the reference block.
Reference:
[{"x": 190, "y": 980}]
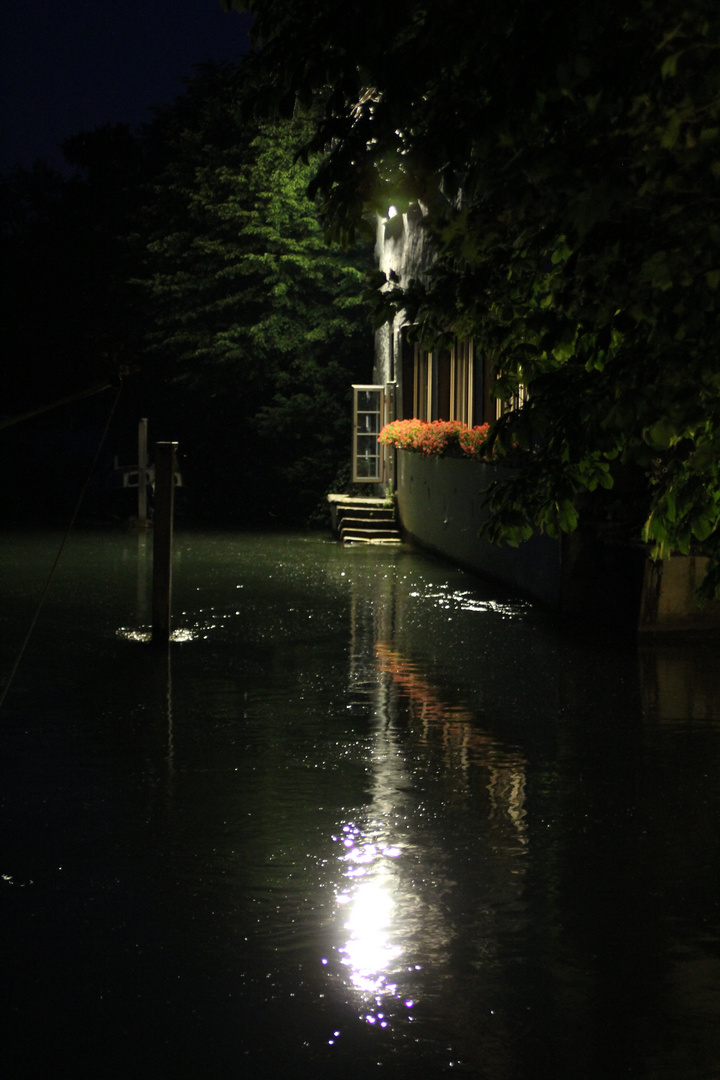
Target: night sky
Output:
[{"x": 73, "y": 65}]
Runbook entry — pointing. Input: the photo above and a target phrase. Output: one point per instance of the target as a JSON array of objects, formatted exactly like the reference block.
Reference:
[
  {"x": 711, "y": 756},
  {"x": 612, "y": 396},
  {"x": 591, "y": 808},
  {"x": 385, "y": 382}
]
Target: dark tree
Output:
[
  {"x": 258, "y": 325},
  {"x": 566, "y": 160}
]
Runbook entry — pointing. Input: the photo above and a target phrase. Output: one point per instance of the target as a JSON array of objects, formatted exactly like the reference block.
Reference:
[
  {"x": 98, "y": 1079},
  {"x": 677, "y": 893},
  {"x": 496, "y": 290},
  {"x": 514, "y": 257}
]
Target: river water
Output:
[{"x": 368, "y": 816}]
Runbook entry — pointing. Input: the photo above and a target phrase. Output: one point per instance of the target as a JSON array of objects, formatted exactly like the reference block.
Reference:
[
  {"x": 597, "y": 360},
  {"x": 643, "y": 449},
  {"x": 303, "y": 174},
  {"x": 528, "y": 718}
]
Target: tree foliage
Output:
[
  {"x": 254, "y": 313},
  {"x": 566, "y": 158},
  {"x": 189, "y": 255}
]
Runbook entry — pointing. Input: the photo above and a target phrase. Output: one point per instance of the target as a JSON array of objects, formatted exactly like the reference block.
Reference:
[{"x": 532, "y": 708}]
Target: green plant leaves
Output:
[{"x": 566, "y": 158}]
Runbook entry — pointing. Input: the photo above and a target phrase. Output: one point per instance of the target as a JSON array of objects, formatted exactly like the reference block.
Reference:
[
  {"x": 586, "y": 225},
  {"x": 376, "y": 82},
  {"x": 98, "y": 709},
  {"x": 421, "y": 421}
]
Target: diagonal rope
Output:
[
  {"x": 75, "y": 512},
  {"x": 55, "y": 405}
]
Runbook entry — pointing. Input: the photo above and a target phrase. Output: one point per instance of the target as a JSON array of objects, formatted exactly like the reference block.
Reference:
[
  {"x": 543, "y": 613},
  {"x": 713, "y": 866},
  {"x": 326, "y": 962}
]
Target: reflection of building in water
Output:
[
  {"x": 593, "y": 897},
  {"x": 679, "y": 682},
  {"x": 464, "y": 744},
  {"x": 442, "y": 794}
]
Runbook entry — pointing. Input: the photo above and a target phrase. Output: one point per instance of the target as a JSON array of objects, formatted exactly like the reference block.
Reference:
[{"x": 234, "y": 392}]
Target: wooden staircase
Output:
[{"x": 364, "y": 520}]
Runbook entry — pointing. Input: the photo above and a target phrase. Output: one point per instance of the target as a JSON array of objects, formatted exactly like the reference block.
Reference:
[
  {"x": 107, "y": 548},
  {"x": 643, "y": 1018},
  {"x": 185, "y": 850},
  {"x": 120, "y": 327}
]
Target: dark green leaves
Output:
[
  {"x": 253, "y": 312},
  {"x": 566, "y": 159}
]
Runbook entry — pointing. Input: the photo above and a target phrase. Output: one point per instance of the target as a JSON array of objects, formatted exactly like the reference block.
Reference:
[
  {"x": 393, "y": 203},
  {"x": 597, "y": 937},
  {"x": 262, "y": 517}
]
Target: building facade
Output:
[{"x": 440, "y": 501}]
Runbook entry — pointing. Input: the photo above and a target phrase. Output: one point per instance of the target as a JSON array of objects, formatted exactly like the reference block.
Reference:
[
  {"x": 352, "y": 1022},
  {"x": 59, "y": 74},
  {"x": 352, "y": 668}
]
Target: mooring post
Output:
[
  {"x": 162, "y": 541},
  {"x": 142, "y": 472}
]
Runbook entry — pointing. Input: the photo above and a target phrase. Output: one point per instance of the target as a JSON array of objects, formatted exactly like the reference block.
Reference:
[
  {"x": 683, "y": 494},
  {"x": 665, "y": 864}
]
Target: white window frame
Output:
[
  {"x": 368, "y": 420},
  {"x": 513, "y": 403}
]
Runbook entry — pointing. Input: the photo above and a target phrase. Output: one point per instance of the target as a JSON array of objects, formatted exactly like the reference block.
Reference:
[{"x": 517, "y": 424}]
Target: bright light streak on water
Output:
[
  {"x": 366, "y": 816},
  {"x": 368, "y": 904},
  {"x": 466, "y": 600},
  {"x": 369, "y": 951},
  {"x": 178, "y": 634}
]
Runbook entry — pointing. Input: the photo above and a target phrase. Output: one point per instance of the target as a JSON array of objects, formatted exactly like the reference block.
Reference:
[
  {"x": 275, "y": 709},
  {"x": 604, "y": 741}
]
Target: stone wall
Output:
[
  {"x": 669, "y": 601},
  {"x": 440, "y": 506}
]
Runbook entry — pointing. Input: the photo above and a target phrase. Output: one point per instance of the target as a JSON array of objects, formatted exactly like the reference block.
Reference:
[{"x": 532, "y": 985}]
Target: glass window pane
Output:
[
  {"x": 367, "y": 468},
  {"x": 368, "y": 400},
  {"x": 368, "y": 420}
]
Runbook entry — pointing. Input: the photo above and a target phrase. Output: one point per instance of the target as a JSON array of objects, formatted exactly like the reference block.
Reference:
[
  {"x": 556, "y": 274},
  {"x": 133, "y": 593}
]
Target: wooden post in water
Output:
[
  {"x": 162, "y": 541},
  {"x": 142, "y": 473}
]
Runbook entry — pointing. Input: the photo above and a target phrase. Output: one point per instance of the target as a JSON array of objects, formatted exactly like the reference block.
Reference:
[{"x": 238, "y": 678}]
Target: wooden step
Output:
[
  {"x": 363, "y": 519},
  {"x": 354, "y": 532},
  {"x": 368, "y": 538},
  {"x": 375, "y": 512},
  {"x": 366, "y": 522}
]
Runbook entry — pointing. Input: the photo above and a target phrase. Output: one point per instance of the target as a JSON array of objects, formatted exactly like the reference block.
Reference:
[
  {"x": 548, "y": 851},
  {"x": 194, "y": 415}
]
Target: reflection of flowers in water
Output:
[{"x": 463, "y": 742}]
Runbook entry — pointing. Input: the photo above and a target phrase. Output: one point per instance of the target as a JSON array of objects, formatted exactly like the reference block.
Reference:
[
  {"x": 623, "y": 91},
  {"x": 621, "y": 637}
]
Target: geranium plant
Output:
[{"x": 443, "y": 438}]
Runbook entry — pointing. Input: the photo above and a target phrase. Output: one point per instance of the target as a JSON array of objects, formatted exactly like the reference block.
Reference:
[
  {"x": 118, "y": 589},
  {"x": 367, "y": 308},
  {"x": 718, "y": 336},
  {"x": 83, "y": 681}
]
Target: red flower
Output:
[{"x": 447, "y": 438}]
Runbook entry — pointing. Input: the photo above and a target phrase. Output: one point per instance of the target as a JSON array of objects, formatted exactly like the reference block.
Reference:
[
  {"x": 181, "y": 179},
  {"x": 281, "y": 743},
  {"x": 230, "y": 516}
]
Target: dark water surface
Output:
[{"x": 372, "y": 818}]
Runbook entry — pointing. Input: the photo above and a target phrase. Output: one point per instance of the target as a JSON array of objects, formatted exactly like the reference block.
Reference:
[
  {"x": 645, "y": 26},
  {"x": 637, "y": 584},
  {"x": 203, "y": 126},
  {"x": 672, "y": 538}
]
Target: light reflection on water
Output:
[
  {"x": 397, "y": 934},
  {"x": 367, "y": 811},
  {"x": 466, "y": 600},
  {"x": 145, "y": 635},
  {"x": 369, "y": 952}
]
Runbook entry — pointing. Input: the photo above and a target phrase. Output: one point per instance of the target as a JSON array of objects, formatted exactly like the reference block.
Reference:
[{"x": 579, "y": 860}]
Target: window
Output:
[
  {"x": 445, "y": 385},
  {"x": 422, "y": 384},
  {"x": 515, "y": 401},
  {"x": 455, "y": 385},
  {"x": 368, "y": 413},
  {"x": 462, "y": 383}
]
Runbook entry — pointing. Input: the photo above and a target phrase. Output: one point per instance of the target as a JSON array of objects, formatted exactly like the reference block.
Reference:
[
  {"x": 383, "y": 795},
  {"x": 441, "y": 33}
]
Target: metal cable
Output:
[
  {"x": 55, "y": 405},
  {"x": 75, "y": 512}
]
